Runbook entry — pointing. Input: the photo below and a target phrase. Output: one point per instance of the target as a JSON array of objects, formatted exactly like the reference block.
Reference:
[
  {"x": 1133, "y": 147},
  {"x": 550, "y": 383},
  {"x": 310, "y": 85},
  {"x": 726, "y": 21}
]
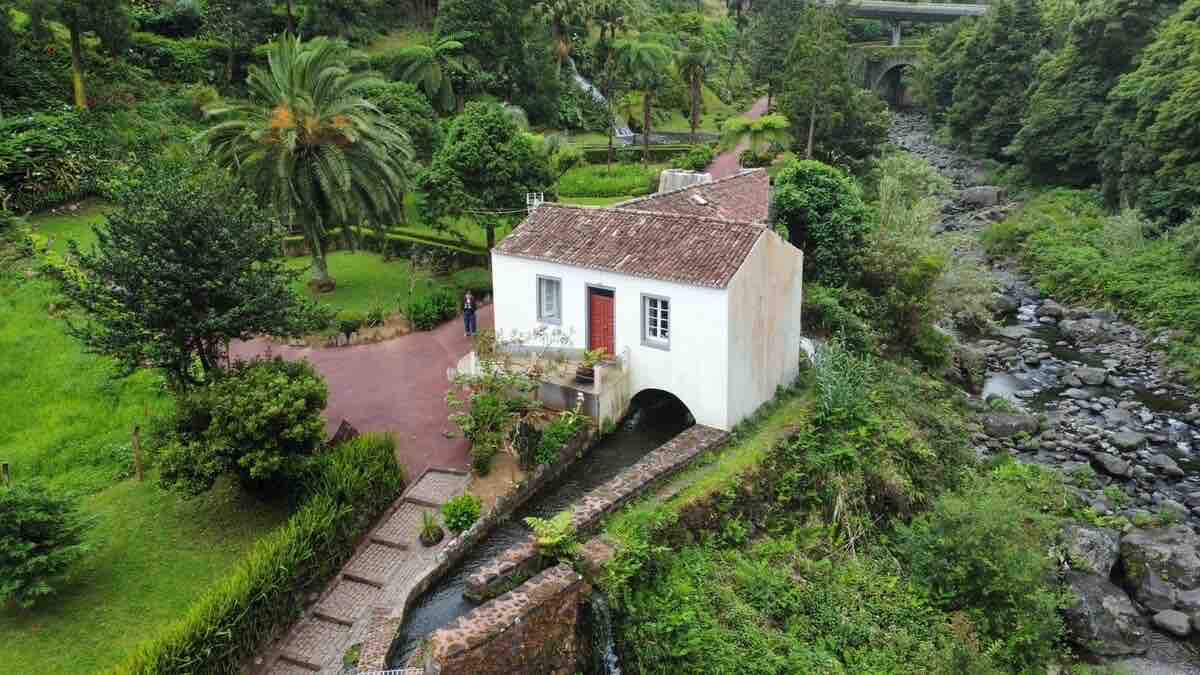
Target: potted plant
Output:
[
  {"x": 586, "y": 371},
  {"x": 431, "y": 532}
]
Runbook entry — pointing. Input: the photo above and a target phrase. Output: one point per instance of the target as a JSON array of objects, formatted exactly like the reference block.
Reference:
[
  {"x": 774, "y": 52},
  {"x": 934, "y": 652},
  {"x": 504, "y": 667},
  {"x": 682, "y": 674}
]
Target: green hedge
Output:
[
  {"x": 598, "y": 154},
  {"x": 615, "y": 181},
  {"x": 178, "y": 60},
  {"x": 350, "y": 488}
]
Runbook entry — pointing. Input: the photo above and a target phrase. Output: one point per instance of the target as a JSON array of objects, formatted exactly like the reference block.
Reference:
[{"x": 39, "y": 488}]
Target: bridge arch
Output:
[
  {"x": 886, "y": 78},
  {"x": 659, "y": 406}
]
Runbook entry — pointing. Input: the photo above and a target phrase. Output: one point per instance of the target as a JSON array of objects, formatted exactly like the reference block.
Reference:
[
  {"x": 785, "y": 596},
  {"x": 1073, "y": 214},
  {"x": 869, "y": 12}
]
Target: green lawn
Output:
[
  {"x": 65, "y": 419},
  {"x": 68, "y": 225},
  {"x": 154, "y": 555}
]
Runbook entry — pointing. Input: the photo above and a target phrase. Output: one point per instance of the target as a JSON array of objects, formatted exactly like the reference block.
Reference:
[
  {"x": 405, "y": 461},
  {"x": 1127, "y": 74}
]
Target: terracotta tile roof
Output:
[
  {"x": 744, "y": 196},
  {"x": 672, "y": 247}
]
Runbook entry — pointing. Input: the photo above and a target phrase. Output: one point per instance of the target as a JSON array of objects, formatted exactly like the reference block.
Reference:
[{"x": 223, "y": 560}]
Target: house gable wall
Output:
[
  {"x": 764, "y": 303},
  {"x": 694, "y": 368}
]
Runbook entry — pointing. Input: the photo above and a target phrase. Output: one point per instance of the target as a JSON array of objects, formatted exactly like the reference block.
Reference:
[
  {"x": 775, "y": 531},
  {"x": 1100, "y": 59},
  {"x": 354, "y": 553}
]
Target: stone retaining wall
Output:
[
  {"x": 385, "y": 623},
  {"x": 522, "y": 560},
  {"x": 533, "y": 629}
]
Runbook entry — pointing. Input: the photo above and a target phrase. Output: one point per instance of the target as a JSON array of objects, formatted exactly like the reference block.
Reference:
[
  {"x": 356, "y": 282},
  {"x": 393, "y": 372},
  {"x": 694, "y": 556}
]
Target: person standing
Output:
[{"x": 469, "y": 314}]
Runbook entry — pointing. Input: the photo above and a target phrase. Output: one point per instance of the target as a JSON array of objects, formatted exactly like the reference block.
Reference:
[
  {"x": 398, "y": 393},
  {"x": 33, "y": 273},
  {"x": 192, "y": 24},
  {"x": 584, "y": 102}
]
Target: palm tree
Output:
[
  {"x": 645, "y": 63},
  {"x": 310, "y": 143},
  {"x": 562, "y": 15},
  {"x": 610, "y": 15},
  {"x": 693, "y": 66},
  {"x": 766, "y": 129},
  {"x": 432, "y": 67}
]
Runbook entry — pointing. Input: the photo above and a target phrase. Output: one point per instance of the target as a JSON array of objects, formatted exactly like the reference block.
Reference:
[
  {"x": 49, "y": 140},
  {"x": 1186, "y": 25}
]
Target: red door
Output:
[{"x": 600, "y": 322}]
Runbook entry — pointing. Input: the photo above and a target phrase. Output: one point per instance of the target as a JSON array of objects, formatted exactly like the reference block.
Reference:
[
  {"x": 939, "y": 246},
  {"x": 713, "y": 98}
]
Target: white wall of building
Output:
[
  {"x": 765, "y": 297},
  {"x": 695, "y": 368}
]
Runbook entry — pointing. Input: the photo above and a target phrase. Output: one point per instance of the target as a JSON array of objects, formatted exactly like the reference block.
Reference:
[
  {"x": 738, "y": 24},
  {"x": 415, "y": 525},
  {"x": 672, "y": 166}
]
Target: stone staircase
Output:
[{"x": 381, "y": 573}]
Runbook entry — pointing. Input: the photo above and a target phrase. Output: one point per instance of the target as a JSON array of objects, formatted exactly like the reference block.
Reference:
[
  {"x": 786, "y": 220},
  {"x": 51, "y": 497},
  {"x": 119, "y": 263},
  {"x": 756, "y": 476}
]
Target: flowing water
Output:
[
  {"x": 646, "y": 428},
  {"x": 604, "y": 645}
]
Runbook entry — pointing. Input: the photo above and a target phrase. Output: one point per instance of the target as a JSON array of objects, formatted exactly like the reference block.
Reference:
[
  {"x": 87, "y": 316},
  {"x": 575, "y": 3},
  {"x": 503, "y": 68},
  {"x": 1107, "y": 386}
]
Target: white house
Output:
[{"x": 694, "y": 291}]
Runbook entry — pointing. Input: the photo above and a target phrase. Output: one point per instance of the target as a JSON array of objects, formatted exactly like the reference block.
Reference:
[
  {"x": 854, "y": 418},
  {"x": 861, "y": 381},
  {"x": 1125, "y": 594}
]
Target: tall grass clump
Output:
[
  {"x": 353, "y": 484},
  {"x": 598, "y": 180}
]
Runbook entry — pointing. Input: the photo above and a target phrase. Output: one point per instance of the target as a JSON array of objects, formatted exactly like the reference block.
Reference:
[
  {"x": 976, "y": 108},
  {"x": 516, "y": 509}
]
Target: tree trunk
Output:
[
  {"x": 490, "y": 227},
  {"x": 812, "y": 124},
  {"x": 230, "y": 63},
  {"x": 612, "y": 131},
  {"x": 291, "y": 16},
  {"x": 695, "y": 105},
  {"x": 646, "y": 103},
  {"x": 77, "y": 67},
  {"x": 321, "y": 281}
]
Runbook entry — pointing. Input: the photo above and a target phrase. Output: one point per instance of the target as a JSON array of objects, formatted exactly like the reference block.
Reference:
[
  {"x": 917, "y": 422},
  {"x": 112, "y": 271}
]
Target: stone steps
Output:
[
  {"x": 346, "y": 602},
  {"x": 311, "y": 641},
  {"x": 403, "y": 528}
]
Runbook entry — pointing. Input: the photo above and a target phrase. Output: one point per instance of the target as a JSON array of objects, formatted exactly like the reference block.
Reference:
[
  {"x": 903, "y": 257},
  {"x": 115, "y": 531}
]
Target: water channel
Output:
[{"x": 653, "y": 421}]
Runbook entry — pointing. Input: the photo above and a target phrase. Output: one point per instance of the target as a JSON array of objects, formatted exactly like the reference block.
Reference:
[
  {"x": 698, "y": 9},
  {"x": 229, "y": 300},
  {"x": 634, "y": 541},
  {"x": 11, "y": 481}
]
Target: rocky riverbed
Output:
[{"x": 1079, "y": 389}]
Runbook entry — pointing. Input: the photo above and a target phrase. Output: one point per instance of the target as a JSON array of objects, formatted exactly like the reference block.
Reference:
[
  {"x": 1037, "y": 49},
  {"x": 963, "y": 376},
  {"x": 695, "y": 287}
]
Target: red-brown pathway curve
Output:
[
  {"x": 726, "y": 163},
  {"x": 398, "y": 385}
]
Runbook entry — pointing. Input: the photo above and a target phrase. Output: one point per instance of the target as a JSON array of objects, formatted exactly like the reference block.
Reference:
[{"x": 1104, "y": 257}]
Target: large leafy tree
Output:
[
  {"x": 825, "y": 216},
  {"x": 693, "y": 63},
  {"x": 240, "y": 24},
  {"x": 820, "y": 82},
  {"x": 484, "y": 169},
  {"x": 409, "y": 110},
  {"x": 645, "y": 62},
  {"x": 997, "y": 65},
  {"x": 1151, "y": 129},
  {"x": 1058, "y": 141},
  {"x": 831, "y": 116},
  {"x": 563, "y": 16},
  {"x": 772, "y": 31},
  {"x": 312, "y": 144},
  {"x": 189, "y": 263},
  {"x": 107, "y": 19},
  {"x": 433, "y": 68}
]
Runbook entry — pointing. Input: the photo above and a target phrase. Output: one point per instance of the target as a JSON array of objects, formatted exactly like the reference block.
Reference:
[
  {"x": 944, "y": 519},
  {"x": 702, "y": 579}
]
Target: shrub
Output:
[
  {"x": 178, "y": 60},
  {"x": 477, "y": 280},
  {"x": 528, "y": 441},
  {"x": 406, "y": 107},
  {"x": 483, "y": 450},
  {"x": 488, "y": 408},
  {"x": 461, "y": 512},
  {"x": 261, "y": 421},
  {"x": 824, "y": 214},
  {"x": 555, "y": 537},
  {"x": 350, "y": 322},
  {"x": 557, "y": 434},
  {"x": 426, "y": 312},
  {"x": 597, "y": 180},
  {"x": 267, "y": 592},
  {"x": 697, "y": 159},
  {"x": 987, "y": 551},
  {"x": 41, "y": 537}
]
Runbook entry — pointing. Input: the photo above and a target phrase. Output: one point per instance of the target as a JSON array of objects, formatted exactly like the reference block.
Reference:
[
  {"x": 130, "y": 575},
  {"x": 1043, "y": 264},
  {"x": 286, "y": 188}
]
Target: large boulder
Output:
[
  {"x": 1166, "y": 465},
  {"x": 1101, "y": 619},
  {"x": 1091, "y": 549},
  {"x": 1091, "y": 376},
  {"x": 1175, "y": 623},
  {"x": 1082, "y": 330},
  {"x": 1007, "y": 425},
  {"x": 1129, "y": 440},
  {"x": 1111, "y": 465},
  {"x": 1005, "y": 305},
  {"x": 1051, "y": 309},
  {"x": 1159, "y": 563},
  {"x": 982, "y": 196}
]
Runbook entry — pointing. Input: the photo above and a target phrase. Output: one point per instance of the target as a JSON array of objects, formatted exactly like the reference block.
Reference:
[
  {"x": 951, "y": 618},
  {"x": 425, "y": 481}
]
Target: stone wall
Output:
[
  {"x": 385, "y": 624},
  {"x": 522, "y": 560},
  {"x": 533, "y": 629}
]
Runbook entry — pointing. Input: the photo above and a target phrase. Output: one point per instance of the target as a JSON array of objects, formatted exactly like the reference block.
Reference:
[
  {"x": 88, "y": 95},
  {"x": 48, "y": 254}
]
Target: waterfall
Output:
[
  {"x": 604, "y": 647},
  {"x": 622, "y": 130}
]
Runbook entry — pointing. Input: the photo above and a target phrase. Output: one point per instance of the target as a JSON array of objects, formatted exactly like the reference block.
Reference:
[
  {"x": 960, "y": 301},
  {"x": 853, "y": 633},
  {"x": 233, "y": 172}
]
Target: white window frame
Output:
[
  {"x": 541, "y": 310},
  {"x": 652, "y": 337}
]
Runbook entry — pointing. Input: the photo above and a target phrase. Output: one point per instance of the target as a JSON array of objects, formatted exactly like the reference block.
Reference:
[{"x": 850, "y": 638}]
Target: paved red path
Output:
[
  {"x": 398, "y": 385},
  {"x": 726, "y": 163}
]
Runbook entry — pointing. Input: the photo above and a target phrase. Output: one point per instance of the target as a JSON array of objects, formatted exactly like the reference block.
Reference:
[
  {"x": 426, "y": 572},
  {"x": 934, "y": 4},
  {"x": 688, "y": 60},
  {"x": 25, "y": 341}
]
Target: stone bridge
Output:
[{"x": 883, "y": 71}]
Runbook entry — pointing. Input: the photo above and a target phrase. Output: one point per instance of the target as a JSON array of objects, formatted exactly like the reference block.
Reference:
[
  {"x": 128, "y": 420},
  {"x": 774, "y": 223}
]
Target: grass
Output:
[
  {"x": 76, "y": 225},
  {"x": 750, "y": 446},
  {"x": 65, "y": 419},
  {"x": 598, "y": 180},
  {"x": 155, "y": 553}
]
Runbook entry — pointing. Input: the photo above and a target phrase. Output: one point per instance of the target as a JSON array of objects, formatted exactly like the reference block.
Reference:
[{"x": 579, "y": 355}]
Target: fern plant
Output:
[{"x": 555, "y": 537}]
